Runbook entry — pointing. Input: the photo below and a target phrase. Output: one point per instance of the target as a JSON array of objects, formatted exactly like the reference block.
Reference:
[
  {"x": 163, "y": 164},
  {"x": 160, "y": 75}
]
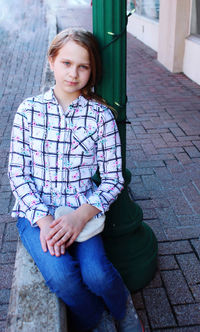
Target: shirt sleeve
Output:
[
  {"x": 19, "y": 170},
  {"x": 109, "y": 161}
]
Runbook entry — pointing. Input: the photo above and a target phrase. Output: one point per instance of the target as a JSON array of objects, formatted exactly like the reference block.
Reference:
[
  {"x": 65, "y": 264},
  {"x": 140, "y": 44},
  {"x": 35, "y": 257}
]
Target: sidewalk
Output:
[
  {"x": 23, "y": 36},
  {"x": 163, "y": 154}
]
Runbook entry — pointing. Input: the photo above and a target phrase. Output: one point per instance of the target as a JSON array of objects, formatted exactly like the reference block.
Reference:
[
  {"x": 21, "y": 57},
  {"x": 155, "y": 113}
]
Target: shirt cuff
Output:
[
  {"x": 39, "y": 212},
  {"x": 95, "y": 201}
]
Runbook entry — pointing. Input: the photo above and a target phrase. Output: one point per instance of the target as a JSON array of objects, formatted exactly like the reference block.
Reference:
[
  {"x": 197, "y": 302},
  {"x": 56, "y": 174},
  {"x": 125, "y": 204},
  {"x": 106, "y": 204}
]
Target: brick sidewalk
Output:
[
  {"x": 23, "y": 38},
  {"x": 163, "y": 154}
]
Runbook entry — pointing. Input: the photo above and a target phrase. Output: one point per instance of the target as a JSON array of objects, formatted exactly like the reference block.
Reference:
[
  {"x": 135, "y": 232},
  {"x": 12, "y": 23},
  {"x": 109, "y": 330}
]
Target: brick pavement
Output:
[
  {"x": 163, "y": 154},
  {"x": 23, "y": 35}
]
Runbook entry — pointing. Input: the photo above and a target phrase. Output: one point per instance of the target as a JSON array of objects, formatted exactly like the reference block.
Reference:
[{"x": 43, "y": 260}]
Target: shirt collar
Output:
[{"x": 50, "y": 97}]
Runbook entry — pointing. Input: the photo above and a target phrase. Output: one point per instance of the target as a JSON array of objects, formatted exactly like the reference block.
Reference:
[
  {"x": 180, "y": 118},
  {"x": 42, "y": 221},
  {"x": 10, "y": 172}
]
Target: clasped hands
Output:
[{"x": 56, "y": 235}]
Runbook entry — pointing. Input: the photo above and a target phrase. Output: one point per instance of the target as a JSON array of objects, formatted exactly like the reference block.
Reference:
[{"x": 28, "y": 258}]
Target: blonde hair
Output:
[{"x": 87, "y": 40}]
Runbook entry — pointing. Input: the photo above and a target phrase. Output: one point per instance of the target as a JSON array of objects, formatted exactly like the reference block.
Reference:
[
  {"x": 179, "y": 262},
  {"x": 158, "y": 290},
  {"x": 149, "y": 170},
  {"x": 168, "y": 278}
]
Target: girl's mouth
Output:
[{"x": 71, "y": 83}]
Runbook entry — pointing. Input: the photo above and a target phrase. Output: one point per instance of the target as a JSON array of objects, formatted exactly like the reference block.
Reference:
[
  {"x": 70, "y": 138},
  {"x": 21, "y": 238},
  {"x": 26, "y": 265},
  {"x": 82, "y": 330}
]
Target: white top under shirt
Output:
[{"x": 53, "y": 156}]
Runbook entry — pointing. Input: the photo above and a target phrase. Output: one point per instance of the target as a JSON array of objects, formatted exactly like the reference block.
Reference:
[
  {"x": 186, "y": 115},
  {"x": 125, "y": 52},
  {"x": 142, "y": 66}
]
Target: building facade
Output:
[{"x": 172, "y": 29}]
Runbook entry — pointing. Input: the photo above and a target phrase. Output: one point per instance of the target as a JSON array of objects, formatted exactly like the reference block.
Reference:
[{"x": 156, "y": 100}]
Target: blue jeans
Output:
[{"x": 83, "y": 278}]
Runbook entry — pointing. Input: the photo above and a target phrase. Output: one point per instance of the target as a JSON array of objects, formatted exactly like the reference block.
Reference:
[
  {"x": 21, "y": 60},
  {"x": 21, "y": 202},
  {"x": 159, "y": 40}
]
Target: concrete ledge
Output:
[{"x": 32, "y": 306}]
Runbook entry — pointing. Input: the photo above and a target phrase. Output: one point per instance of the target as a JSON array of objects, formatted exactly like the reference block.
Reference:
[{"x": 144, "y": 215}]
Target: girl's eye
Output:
[
  {"x": 84, "y": 67},
  {"x": 67, "y": 63}
]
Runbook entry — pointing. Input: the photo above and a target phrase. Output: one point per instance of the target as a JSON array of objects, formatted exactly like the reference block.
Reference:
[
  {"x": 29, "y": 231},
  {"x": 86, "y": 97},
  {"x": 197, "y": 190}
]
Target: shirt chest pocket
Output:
[{"x": 83, "y": 142}]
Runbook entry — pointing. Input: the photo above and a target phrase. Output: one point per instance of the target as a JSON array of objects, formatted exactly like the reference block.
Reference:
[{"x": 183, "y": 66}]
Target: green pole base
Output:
[
  {"x": 134, "y": 255},
  {"x": 130, "y": 243}
]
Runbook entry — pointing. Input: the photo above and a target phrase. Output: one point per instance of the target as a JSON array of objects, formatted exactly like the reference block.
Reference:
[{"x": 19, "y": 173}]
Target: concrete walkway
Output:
[{"x": 163, "y": 154}]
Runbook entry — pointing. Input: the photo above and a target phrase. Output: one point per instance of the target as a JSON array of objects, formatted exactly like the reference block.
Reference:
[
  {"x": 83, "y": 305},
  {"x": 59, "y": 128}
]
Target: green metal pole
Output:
[
  {"x": 108, "y": 22},
  {"x": 130, "y": 243}
]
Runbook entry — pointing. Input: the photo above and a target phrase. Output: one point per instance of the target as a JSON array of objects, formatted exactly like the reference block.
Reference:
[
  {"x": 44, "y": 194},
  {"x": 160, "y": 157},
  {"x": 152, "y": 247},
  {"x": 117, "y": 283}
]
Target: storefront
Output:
[
  {"x": 172, "y": 29},
  {"x": 144, "y": 23},
  {"x": 147, "y": 8}
]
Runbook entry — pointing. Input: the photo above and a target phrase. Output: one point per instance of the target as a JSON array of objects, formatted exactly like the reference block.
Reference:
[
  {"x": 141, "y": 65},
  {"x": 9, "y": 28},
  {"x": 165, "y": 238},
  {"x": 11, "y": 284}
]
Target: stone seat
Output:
[{"x": 32, "y": 306}]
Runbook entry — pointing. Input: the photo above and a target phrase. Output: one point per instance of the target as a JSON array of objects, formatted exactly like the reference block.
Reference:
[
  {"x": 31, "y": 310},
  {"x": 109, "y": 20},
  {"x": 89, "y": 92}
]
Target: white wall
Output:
[
  {"x": 144, "y": 29},
  {"x": 191, "y": 61}
]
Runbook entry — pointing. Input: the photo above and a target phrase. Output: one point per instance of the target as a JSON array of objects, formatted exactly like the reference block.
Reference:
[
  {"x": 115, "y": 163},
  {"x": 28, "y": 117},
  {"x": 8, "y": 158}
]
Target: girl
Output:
[{"x": 59, "y": 139}]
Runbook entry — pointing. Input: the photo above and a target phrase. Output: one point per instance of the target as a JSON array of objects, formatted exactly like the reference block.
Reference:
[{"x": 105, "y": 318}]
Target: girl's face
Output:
[{"x": 71, "y": 69}]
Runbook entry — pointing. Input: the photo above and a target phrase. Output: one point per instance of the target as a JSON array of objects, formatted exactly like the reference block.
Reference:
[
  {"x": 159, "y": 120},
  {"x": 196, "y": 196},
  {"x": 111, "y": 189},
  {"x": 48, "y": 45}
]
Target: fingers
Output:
[
  {"x": 65, "y": 241},
  {"x": 72, "y": 239},
  {"x": 63, "y": 231},
  {"x": 57, "y": 250},
  {"x": 43, "y": 244},
  {"x": 59, "y": 235},
  {"x": 62, "y": 249},
  {"x": 60, "y": 238},
  {"x": 46, "y": 245},
  {"x": 51, "y": 248},
  {"x": 55, "y": 222},
  {"x": 53, "y": 232}
]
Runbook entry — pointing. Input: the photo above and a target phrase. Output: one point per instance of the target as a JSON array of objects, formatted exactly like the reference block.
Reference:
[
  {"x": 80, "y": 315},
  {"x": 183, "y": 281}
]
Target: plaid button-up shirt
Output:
[{"x": 54, "y": 154}]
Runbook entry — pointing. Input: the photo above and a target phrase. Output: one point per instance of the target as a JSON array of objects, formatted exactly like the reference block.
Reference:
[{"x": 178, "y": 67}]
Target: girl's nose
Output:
[{"x": 73, "y": 72}]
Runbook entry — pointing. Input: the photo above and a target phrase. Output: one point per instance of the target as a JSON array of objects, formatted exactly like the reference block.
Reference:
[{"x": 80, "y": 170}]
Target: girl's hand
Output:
[
  {"x": 44, "y": 224},
  {"x": 65, "y": 230}
]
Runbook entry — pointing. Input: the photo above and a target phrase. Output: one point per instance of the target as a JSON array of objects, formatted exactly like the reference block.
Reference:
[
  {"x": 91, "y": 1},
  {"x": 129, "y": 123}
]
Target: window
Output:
[
  {"x": 148, "y": 8},
  {"x": 195, "y": 18}
]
